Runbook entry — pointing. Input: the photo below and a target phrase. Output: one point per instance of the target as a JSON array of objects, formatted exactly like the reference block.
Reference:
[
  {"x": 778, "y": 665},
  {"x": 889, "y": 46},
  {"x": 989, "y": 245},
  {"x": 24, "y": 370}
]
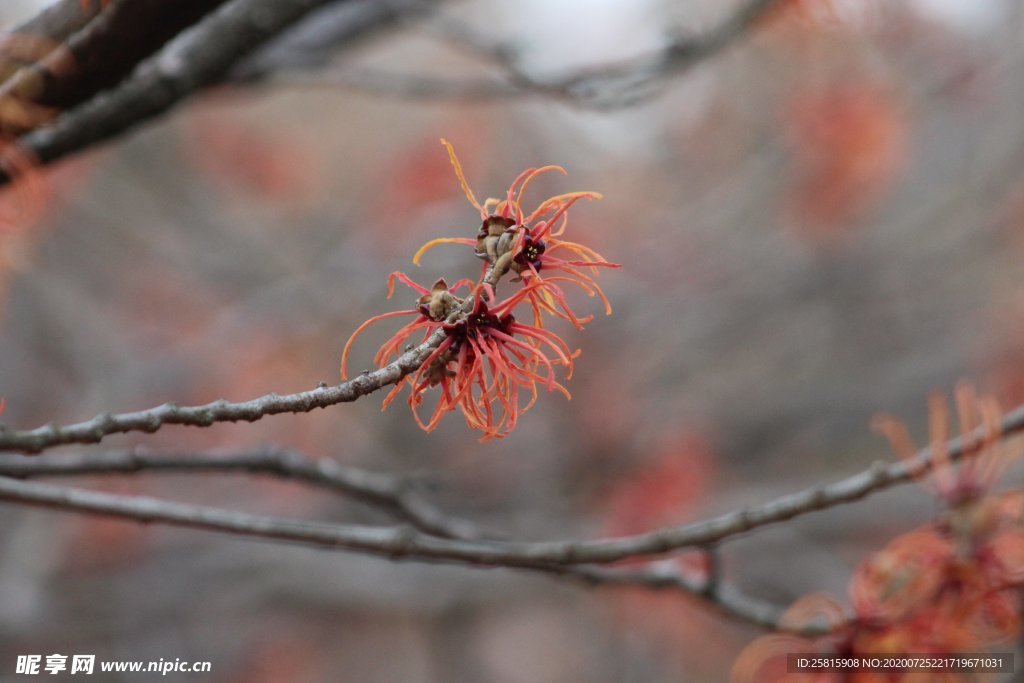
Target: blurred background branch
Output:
[
  {"x": 87, "y": 76},
  {"x": 618, "y": 84}
]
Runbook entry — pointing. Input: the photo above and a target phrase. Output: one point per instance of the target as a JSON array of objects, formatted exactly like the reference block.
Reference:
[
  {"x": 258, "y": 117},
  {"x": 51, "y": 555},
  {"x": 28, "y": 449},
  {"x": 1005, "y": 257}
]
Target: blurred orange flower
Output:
[{"x": 950, "y": 586}]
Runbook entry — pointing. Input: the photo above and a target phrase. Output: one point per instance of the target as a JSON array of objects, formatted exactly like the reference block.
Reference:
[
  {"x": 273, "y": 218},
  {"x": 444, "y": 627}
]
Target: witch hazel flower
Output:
[
  {"x": 979, "y": 527},
  {"x": 487, "y": 365},
  {"x": 950, "y": 586},
  {"x": 433, "y": 306},
  {"x": 964, "y": 568},
  {"x": 530, "y": 243}
]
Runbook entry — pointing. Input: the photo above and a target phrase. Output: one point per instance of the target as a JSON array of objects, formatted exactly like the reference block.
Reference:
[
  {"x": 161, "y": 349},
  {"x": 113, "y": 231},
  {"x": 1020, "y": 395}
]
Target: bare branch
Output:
[
  {"x": 311, "y": 42},
  {"x": 391, "y": 494},
  {"x": 410, "y": 543},
  {"x": 395, "y": 495},
  {"x": 394, "y": 543},
  {"x": 610, "y": 85},
  {"x": 94, "y": 430},
  {"x": 876, "y": 478},
  {"x": 104, "y": 50},
  {"x": 198, "y": 57},
  {"x": 725, "y": 599}
]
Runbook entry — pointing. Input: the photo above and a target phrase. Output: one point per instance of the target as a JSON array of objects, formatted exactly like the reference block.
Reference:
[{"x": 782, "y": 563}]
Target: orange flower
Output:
[
  {"x": 959, "y": 487},
  {"x": 950, "y": 586},
  {"x": 532, "y": 243},
  {"x": 891, "y": 584},
  {"x": 485, "y": 365},
  {"x": 484, "y": 369},
  {"x": 431, "y": 309},
  {"x": 489, "y": 365}
]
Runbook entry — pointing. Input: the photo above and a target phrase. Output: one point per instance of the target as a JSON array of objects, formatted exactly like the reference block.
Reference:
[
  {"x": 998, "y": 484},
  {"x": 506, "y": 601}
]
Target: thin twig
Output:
[
  {"x": 321, "y": 35},
  {"x": 394, "y": 495},
  {"x": 608, "y": 85},
  {"x": 94, "y": 430}
]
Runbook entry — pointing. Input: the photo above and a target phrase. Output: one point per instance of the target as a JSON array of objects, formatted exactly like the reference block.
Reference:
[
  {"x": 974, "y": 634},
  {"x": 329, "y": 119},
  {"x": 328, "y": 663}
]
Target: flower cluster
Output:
[
  {"x": 530, "y": 243},
  {"x": 952, "y": 586},
  {"x": 488, "y": 364}
]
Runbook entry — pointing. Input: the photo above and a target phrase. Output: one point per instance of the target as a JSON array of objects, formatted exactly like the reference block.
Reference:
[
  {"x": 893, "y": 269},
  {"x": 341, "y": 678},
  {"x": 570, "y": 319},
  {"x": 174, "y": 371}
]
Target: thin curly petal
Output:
[
  {"x": 359, "y": 330},
  {"x": 441, "y": 240},
  {"x": 461, "y": 176}
]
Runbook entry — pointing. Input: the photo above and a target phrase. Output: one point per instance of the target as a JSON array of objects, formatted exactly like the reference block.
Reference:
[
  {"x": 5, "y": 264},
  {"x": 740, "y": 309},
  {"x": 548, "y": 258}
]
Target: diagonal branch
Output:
[
  {"x": 94, "y": 430},
  {"x": 105, "y": 50},
  {"x": 198, "y": 57},
  {"x": 314, "y": 41}
]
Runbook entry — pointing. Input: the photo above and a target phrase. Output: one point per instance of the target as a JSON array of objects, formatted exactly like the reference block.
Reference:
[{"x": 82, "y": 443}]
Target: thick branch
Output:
[
  {"x": 105, "y": 50},
  {"x": 198, "y": 57}
]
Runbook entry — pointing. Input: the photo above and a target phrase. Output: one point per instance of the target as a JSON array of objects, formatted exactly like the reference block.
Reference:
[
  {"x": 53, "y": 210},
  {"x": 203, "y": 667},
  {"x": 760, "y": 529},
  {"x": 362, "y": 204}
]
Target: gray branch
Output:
[
  {"x": 396, "y": 543},
  {"x": 410, "y": 543},
  {"x": 610, "y": 85},
  {"x": 198, "y": 57},
  {"x": 149, "y": 421},
  {"x": 394, "y": 495},
  {"x": 93, "y": 431}
]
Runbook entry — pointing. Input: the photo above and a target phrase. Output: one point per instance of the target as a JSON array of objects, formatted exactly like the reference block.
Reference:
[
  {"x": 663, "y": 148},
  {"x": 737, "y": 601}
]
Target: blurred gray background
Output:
[{"x": 819, "y": 223}]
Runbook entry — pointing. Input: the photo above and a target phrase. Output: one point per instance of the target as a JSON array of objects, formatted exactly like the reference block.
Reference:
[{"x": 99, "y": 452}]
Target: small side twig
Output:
[{"x": 391, "y": 494}]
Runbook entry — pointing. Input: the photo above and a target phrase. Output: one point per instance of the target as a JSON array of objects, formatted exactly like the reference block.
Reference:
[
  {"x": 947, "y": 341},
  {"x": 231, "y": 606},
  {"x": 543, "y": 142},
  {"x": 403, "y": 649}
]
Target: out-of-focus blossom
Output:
[
  {"x": 850, "y": 143},
  {"x": 951, "y": 586}
]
